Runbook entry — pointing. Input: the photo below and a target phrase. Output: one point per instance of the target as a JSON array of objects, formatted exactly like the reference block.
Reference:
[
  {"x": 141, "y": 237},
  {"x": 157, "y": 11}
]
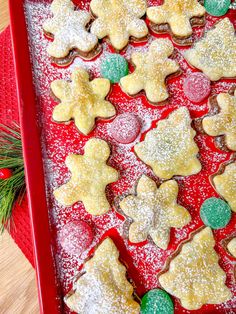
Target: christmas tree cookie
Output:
[
  {"x": 103, "y": 288},
  {"x": 68, "y": 30},
  {"x": 154, "y": 211},
  {"x": 169, "y": 149},
  {"x": 119, "y": 20},
  {"x": 89, "y": 177},
  {"x": 224, "y": 122},
  {"x": 82, "y": 100},
  {"x": 177, "y": 17},
  {"x": 225, "y": 184},
  {"x": 215, "y": 53},
  {"x": 194, "y": 275},
  {"x": 232, "y": 247},
  {"x": 152, "y": 69}
]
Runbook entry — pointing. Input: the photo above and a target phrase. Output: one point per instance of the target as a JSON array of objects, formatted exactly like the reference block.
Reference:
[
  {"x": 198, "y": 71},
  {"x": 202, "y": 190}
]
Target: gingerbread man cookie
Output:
[
  {"x": 215, "y": 53},
  {"x": 152, "y": 69},
  {"x": 224, "y": 122},
  {"x": 119, "y": 20},
  {"x": 67, "y": 27},
  {"x": 154, "y": 211},
  {"x": 103, "y": 287},
  {"x": 89, "y": 177},
  {"x": 232, "y": 247},
  {"x": 177, "y": 17},
  {"x": 169, "y": 149},
  {"x": 225, "y": 184},
  {"x": 82, "y": 100},
  {"x": 194, "y": 275}
]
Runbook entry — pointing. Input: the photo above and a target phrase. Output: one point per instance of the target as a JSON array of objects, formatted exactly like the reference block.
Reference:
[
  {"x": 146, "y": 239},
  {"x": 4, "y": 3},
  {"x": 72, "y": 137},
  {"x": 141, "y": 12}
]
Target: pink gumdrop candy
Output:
[
  {"x": 75, "y": 237},
  {"x": 125, "y": 128},
  {"x": 197, "y": 87}
]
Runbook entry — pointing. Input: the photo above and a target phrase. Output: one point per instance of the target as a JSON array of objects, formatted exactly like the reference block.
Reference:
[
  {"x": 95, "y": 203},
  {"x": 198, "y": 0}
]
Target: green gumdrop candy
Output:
[
  {"x": 114, "y": 67},
  {"x": 157, "y": 301},
  {"x": 217, "y": 7},
  {"x": 215, "y": 213}
]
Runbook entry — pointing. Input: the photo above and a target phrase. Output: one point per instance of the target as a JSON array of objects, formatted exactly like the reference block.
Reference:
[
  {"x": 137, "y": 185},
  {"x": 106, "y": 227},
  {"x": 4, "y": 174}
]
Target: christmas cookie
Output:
[
  {"x": 152, "y": 69},
  {"x": 169, "y": 149},
  {"x": 103, "y": 288},
  {"x": 70, "y": 36},
  {"x": 154, "y": 211},
  {"x": 222, "y": 123},
  {"x": 215, "y": 53},
  {"x": 225, "y": 184},
  {"x": 177, "y": 17},
  {"x": 119, "y": 20},
  {"x": 82, "y": 100},
  {"x": 89, "y": 177},
  {"x": 194, "y": 275},
  {"x": 232, "y": 247}
]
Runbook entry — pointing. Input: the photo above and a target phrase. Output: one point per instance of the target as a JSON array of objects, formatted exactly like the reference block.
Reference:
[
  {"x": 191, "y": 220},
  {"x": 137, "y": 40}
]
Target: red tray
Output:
[{"x": 46, "y": 145}]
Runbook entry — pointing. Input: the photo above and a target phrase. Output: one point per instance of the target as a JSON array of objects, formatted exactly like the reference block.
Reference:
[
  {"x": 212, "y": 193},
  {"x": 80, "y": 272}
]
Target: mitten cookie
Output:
[
  {"x": 103, "y": 288},
  {"x": 89, "y": 177},
  {"x": 224, "y": 122},
  {"x": 67, "y": 27},
  {"x": 194, "y": 275},
  {"x": 82, "y": 100},
  {"x": 154, "y": 211},
  {"x": 152, "y": 69},
  {"x": 169, "y": 149},
  {"x": 215, "y": 53},
  {"x": 177, "y": 17},
  {"x": 119, "y": 20}
]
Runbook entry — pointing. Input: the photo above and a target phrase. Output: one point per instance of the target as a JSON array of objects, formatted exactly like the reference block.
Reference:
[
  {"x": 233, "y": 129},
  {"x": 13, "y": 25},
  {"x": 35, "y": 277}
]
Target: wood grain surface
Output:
[{"x": 18, "y": 293}]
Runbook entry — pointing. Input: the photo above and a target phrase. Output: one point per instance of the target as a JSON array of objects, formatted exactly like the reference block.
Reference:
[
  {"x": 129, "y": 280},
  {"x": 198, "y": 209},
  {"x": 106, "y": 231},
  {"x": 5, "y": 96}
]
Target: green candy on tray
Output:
[
  {"x": 157, "y": 301},
  {"x": 114, "y": 67},
  {"x": 217, "y": 7}
]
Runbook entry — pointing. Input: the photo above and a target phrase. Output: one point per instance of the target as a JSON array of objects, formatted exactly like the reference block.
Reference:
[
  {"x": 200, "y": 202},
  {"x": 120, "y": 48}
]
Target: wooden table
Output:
[{"x": 18, "y": 293}]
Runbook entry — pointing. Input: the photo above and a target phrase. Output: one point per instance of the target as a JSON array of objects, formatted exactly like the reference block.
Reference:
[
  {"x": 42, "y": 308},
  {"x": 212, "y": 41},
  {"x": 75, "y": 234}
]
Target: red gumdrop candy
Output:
[
  {"x": 5, "y": 173},
  {"x": 75, "y": 237},
  {"x": 197, "y": 87},
  {"x": 125, "y": 128}
]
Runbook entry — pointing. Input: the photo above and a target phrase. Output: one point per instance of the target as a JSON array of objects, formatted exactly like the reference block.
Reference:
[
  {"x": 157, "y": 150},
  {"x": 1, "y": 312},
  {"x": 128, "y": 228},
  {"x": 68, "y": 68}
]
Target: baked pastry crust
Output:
[{"x": 232, "y": 247}]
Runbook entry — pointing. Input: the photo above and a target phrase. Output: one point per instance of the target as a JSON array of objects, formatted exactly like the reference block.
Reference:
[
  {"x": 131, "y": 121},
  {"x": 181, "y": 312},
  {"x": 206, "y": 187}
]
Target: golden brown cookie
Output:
[
  {"x": 119, "y": 20},
  {"x": 89, "y": 177},
  {"x": 194, "y": 275},
  {"x": 103, "y": 288},
  {"x": 232, "y": 247},
  {"x": 169, "y": 149},
  {"x": 151, "y": 70},
  {"x": 82, "y": 100},
  {"x": 154, "y": 211}
]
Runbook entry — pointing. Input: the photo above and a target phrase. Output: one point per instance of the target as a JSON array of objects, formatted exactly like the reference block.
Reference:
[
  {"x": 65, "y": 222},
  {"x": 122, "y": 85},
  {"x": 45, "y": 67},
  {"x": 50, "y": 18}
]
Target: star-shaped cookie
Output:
[
  {"x": 89, "y": 177},
  {"x": 215, "y": 53},
  {"x": 119, "y": 20},
  {"x": 225, "y": 184},
  {"x": 67, "y": 27},
  {"x": 154, "y": 211},
  {"x": 82, "y": 100},
  {"x": 177, "y": 17},
  {"x": 224, "y": 122},
  {"x": 194, "y": 275},
  {"x": 152, "y": 69},
  {"x": 169, "y": 149}
]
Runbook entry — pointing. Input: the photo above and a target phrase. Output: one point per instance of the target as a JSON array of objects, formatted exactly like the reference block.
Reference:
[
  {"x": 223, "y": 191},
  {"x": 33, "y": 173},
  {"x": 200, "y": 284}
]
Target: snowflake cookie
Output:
[
  {"x": 194, "y": 275},
  {"x": 169, "y": 149},
  {"x": 67, "y": 27},
  {"x": 103, "y": 288},
  {"x": 215, "y": 53},
  {"x": 89, "y": 177},
  {"x": 154, "y": 211},
  {"x": 119, "y": 20},
  {"x": 224, "y": 122},
  {"x": 152, "y": 69},
  {"x": 177, "y": 17},
  {"x": 82, "y": 100},
  {"x": 225, "y": 184},
  {"x": 232, "y": 247}
]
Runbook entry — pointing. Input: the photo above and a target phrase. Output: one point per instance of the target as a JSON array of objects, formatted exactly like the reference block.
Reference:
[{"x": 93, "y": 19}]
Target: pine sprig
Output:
[{"x": 13, "y": 188}]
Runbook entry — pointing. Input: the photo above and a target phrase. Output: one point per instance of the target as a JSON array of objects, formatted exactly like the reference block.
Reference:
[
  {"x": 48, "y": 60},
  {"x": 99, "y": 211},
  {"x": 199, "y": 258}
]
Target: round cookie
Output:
[
  {"x": 157, "y": 301},
  {"x": 114, "y": 67}
]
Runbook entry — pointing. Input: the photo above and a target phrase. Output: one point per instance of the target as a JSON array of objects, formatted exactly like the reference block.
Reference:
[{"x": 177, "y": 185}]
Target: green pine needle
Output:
[{"x": 11, "y": 157}]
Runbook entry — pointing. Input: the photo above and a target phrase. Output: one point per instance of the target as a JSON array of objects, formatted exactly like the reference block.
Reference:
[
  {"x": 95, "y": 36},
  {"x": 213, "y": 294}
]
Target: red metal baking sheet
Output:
[{"x": 46, "y": 145}]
